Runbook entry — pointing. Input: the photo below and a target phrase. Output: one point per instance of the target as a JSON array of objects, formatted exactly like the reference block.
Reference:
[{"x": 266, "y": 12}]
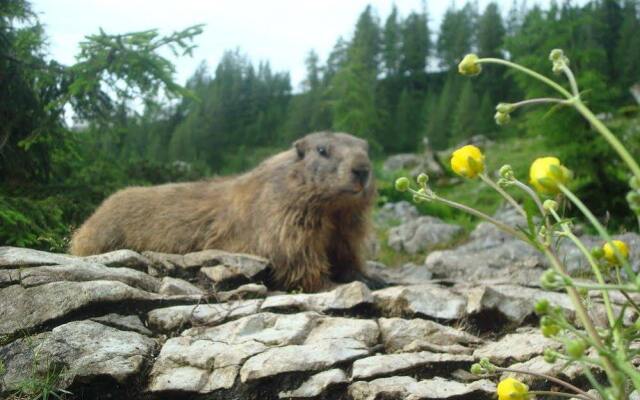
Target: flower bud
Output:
[
  {"x": 502, "y": 118},
  {"x": 506, "y": 172},
  {"x": 551, "y": 280},
  {"x": 576, "y": 348},
  {"x": 549, "y": 330},
  {"x": 549, "y": 205},
  {"x": 467, "y": 161},
  {"x": 477, "y": 369},
  {"x": 423, "y": 179},
  {"x": 505, "y": 108},
  {"x": 634, "y": 183},
  {"x": 546, "y": 173},
  {"x": 550, "y": 356},
  {"x": 402, "y": 184},
  {"x": 610, "y": 253},
  {"x": 542, "y": 307},
  {"x": 469, "y": 65},
  {"x": 556, "y": 55},
  {"x": 504, "y": 183},
  {"x": 633, "y": 198}
]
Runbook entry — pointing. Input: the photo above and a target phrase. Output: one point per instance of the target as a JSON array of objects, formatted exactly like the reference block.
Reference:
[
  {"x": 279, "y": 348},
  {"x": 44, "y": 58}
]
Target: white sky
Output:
[{"x": 280, "y": 31}]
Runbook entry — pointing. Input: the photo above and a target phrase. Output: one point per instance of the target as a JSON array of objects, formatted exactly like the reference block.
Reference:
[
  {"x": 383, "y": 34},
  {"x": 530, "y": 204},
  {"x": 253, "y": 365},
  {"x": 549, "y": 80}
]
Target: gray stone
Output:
[
  {"x": 247, "y": 291},
  {"x": 396, "y": 213},
  {"x": 89, "y": 350},
  {"x": 407, "y": 274},
  {"x": 78, "y": 272},
  {"x": 410, "y": 335},
  {"x": 428, "y": 300},
  {"x": 15, "y": 257},
  {"x": 316, "y": 384},
  {"x": 520, "y": 346},
  {"x": 206, "y": 359},
  {"x": 344, "y": 297},
  {"x": 120, "y": 258},
  {"x": 387, "y": 364},
  {"x": 422, "y": 234},
  {"x": 27, "y": 308},
  {"x": 538, "y": 365},
  {"x": 175, "y": 286},
  {"x": 124, "y": 323},
  {"x": 171, "y": 318},
  {"x": 404, "y": 387}
]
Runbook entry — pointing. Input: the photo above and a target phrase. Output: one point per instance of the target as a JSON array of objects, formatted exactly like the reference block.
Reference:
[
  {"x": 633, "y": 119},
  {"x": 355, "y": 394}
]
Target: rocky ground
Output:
[{"x": 125, "y": 325}]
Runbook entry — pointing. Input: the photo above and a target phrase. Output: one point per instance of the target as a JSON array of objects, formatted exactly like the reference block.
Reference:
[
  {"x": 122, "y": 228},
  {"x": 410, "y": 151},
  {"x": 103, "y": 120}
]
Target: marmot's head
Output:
[{"x": 336, "y": 165}]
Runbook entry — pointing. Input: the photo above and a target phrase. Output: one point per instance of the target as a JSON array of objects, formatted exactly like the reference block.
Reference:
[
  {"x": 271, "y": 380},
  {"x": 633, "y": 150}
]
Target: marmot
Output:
[{"x": 306, "y": 209}]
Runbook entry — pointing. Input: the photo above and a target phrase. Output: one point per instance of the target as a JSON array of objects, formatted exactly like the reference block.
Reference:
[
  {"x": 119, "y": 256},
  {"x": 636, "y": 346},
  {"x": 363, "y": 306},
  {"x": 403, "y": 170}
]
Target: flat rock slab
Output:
[
  {"x": 426, "y": 300},
  {"x": 88, "y": 350},
  {"x": 15, "y": 257},
  {"x": 317, "y": 384},
  {"x": 171, "y": 318},
  {"x": 390, "y": 364},
  {"x": 26, "y": 308},
  {"x": 120, "y": 258},
  {"x": 404, "y": 387},
  {"x": 516, "y": 347},
  {"x": 411, "y": 335},
  {"x": 176, "y": 286},
  {"x": 345, "y": 297},
  {"x": 124, "y": 323},
  {"x": 78, "y": 272}
]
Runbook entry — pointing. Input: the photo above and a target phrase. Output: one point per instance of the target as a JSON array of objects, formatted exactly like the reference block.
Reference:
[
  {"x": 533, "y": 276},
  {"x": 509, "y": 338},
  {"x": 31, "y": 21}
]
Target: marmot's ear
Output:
[{"x": 301, "y": 147}]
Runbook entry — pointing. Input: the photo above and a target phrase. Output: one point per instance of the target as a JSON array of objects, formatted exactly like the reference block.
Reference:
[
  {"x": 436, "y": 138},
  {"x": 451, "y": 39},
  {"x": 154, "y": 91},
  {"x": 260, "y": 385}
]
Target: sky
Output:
[{"x": 279, "y": 31}]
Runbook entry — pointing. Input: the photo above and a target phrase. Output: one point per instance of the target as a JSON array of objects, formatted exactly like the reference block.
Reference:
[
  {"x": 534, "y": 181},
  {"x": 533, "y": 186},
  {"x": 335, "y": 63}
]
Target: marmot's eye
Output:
[{"x": 322, "y": 151}]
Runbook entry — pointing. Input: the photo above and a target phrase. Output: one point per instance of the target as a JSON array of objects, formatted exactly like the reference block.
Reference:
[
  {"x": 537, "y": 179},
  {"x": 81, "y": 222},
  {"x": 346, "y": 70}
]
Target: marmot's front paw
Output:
[{"x": 373, "y": 282}]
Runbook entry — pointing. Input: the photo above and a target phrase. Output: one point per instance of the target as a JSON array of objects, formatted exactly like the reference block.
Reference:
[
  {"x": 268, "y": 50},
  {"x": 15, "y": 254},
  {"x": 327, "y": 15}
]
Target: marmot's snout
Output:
[{"x": 361, "y": 169}]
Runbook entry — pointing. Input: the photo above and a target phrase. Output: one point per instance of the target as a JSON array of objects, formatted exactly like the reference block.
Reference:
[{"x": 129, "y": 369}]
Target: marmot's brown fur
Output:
[{"x": 306, "y": 210}]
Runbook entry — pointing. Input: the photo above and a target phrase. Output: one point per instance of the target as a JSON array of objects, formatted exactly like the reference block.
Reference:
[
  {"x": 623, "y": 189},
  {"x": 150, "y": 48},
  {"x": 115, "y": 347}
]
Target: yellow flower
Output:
[
  {"x": 512, "y": 389},
  {"x": 546, "y": 173},
  {"x": 469, "y": 65},
  {"x": 609, "y": 252},
  {"x": 467, "y": 161}
]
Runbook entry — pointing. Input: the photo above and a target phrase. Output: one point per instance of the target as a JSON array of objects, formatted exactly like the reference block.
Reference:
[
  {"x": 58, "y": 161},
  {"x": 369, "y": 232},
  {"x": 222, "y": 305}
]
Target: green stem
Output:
[
  {"x": 572, "y": 80},
  {"x": 540, "y": 100},
  {"x": 504, "y": 194},
  {"x": 609, "y": 137},
  {"x": 583, "y": 316},
  {"x": 560, "y": 394},
  {"x": 527, "y": 71},
  {"x": 596, "y": 224},
  {"x": 469, "y": 210},
  {"x": 594, "y": 267},
  {"x": 605, "y": 287}
]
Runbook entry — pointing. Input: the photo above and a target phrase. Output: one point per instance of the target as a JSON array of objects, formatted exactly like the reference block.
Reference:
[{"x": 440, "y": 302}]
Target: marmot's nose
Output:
[{"x": 361, "y": 174}]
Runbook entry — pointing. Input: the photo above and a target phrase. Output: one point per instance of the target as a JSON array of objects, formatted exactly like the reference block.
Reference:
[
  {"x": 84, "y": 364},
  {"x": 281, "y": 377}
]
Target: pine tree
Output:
[
  {"x": 627, "y": 54},
  {"x": 456, "y": 36},
  {"x": 465, "y": 115},
  {"x": 391, "y": 44},
  {"x": 416, "y": 45}
]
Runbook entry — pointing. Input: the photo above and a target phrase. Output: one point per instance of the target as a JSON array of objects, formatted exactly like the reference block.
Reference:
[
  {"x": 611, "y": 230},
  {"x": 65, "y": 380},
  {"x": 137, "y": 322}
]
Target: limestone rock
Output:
[
  {"x": 421, "y": 234},
  {"x": 407, "y": 274},
  {"x": 317, "y": 384},
  {"x": 404, "y": 387},
  {"x": 15, "y": 257},
  {"x": 247, "y": 291},
  {"x": 344, "y": 297},
  {"x": 427, "y": 300},
  {"x": 408, "y": 335},
  {"x": 206, "y": 359},
  {"x": 78, "y": 272},
  {"x": 27, "y": 308},
  {"x": 171, "y": 318},
  {"x": 89, "y": 350},
  {"x": 387, "y": 364},
  {"x": 396, "y": 213},
  {"x": 120, "y": 258},
  {"x": 123, "y": 323},
  {"x": 175, "y": 286},
  {"x": 520, "y": 346}
]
